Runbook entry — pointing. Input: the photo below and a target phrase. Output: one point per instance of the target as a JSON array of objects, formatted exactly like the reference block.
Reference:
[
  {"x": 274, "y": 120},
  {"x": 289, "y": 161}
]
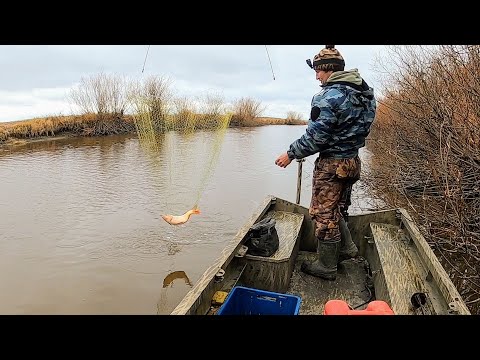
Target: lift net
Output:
[{"x": 185, "y": 138}]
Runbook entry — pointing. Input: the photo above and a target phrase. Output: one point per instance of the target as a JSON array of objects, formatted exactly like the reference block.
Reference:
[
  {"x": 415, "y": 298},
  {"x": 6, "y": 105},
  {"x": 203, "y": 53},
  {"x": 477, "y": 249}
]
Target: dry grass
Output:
[
  {"x": 90, "y": 125},
  {"x": 245, "y": 111},
  {"x": 294, "y": 118},
  {"x": 77, "y": 125},
  {"x": 104, "y": 102},
  {"x": 262, "y": 121}
]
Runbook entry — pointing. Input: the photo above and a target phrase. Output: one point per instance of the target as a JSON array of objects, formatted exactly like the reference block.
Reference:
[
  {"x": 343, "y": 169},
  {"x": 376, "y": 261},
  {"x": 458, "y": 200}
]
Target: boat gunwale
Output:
[
  {"x": 191, "y": 301},
  {"x": 430, "y": 260},
  {"x": 193, "y": 297}
]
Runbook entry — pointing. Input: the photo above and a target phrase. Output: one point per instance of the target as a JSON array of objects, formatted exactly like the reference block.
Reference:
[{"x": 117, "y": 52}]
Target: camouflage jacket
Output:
[{"x": 340, "y": 118}]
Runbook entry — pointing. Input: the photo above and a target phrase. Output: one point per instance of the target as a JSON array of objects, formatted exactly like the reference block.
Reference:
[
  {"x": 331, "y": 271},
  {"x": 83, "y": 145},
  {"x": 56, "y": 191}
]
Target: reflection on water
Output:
[
  {"x": 170, "y": 290},
  {"x": 80, "y": 224},
  {"x": 170, "y": 278}
]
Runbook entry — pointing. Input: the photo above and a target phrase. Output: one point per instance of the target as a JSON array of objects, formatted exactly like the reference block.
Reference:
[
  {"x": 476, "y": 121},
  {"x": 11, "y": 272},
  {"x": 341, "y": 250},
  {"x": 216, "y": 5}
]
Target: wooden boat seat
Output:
[
  {"x": 288, "y": 227},
  {"x": 400, "y": 274},
  {"x": 273, "y": 273}
]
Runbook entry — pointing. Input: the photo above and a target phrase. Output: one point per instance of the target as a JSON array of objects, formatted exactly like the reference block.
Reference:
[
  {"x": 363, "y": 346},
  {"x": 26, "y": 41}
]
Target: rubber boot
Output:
[
  {"x": 348, "y": 248},
  {"x": 325, "y": 266}
]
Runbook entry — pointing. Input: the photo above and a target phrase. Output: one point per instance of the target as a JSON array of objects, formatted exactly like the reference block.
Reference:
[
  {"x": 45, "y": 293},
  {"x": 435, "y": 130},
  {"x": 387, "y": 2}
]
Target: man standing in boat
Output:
[{"x": 340, "y": 119}]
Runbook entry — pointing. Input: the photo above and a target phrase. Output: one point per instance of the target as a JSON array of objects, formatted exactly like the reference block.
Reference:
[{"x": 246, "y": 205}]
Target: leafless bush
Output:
[
  {"x": 152, "y": 99},
  {"x": 185, "y": 113},
  {"x": 294, "y": 118},
  {"x": 212, "y": 109},
  {"x": 245, "y": 110},
  {"x": 101, "y": 94},
  {"x": 426, "y": 148}
]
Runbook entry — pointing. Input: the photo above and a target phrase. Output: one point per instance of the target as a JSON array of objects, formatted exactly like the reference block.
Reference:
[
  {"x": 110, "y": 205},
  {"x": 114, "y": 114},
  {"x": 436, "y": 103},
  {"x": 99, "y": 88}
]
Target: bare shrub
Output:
[
  {"x": 152, "y": 99},
  {"x": 212, "y": 109},
  {"x": 101, "y": 94},
  {"x": 294, "y": 118},
  {"x": 426, "y": 152},
  {"x": 245, "y": 110},
  {"x": 184, "y": 112}
]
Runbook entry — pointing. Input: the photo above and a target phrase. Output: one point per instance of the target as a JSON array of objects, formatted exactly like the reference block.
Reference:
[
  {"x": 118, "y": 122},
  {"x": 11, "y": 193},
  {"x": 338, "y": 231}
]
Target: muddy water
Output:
[{"x": 80, "y": 225}]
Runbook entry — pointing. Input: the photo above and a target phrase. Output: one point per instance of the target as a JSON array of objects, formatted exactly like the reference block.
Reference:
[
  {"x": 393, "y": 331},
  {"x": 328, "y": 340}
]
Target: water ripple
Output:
[{"x": 80, "y": 218}]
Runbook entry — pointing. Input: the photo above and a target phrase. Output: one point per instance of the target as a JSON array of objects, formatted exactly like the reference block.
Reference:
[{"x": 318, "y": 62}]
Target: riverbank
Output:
[
  {"x": 19, "y": 133},
  {"x": 14, "y": 142}
]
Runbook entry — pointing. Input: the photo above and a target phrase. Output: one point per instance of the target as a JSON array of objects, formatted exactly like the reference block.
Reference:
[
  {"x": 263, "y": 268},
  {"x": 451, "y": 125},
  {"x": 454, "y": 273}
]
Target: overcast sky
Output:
[{"x": 35, "y": 79}]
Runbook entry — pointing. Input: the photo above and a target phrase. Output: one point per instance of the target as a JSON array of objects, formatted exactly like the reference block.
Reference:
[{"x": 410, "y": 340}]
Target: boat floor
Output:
[{"x": 350, "y": 285}]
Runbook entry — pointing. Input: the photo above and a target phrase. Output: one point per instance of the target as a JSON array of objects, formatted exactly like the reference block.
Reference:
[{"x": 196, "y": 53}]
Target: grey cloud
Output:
[{"x": 235, "y": 70}]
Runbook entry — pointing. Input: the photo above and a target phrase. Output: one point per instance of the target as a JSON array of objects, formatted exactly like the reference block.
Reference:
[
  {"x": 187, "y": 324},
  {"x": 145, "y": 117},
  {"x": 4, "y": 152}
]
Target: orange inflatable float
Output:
[{"x": 340, "y": 307}]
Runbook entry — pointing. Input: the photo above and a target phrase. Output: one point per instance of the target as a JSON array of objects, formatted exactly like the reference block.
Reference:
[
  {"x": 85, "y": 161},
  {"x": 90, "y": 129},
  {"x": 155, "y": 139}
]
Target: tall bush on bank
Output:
[
  {"x": 245, "y": 110},
  {"x": 103, "y": 94},
  {"x": 426, "y": 151}
]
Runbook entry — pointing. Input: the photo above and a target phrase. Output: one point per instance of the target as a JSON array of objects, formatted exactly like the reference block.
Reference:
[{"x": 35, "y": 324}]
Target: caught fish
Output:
[{"x": 180, "y": 219}]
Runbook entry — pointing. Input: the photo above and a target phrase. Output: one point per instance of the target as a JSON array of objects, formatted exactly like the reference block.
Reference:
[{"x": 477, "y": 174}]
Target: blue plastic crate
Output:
[{"x": 247, "y": 301}]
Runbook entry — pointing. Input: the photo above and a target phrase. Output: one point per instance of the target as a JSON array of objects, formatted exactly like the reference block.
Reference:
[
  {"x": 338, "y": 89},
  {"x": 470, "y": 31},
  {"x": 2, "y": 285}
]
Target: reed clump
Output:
[
  {"x": 294, "y": 118},
  {"x": 246, "y": 112}
]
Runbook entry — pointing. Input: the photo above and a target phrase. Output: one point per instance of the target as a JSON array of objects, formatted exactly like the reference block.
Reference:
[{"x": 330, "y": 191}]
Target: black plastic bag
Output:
[{"x": 262, "y": 238}]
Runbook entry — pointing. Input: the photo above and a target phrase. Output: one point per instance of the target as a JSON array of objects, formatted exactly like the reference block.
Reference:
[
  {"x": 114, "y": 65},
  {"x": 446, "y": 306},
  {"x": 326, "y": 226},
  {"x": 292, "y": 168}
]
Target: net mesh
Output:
[{"x": 184, "y": 137}]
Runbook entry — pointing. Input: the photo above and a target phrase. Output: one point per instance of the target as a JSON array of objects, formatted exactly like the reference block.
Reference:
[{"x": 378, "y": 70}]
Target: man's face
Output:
[{"x": 322, "y": 76}]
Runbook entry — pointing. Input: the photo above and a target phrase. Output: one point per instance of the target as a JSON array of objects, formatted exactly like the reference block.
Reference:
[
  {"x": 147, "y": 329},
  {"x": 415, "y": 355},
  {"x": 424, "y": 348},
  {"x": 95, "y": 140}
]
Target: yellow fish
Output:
[{"x": 180, "y": 219}]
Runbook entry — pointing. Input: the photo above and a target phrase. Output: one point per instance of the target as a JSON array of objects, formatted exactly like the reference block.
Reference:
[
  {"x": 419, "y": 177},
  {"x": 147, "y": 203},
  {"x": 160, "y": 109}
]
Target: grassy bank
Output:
[
  {"x": 151, "y": 104},
  {"x": 37, "y": 129}
]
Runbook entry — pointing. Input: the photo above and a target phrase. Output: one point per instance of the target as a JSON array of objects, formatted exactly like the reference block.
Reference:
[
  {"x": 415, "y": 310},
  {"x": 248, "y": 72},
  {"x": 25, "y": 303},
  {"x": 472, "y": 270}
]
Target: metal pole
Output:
[{"x": 299, "y": 179}]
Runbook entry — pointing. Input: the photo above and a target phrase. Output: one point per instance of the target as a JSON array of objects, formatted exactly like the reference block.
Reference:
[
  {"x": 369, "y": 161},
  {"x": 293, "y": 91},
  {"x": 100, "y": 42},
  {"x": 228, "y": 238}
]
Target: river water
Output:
[{"x": 80, "y": 225}]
